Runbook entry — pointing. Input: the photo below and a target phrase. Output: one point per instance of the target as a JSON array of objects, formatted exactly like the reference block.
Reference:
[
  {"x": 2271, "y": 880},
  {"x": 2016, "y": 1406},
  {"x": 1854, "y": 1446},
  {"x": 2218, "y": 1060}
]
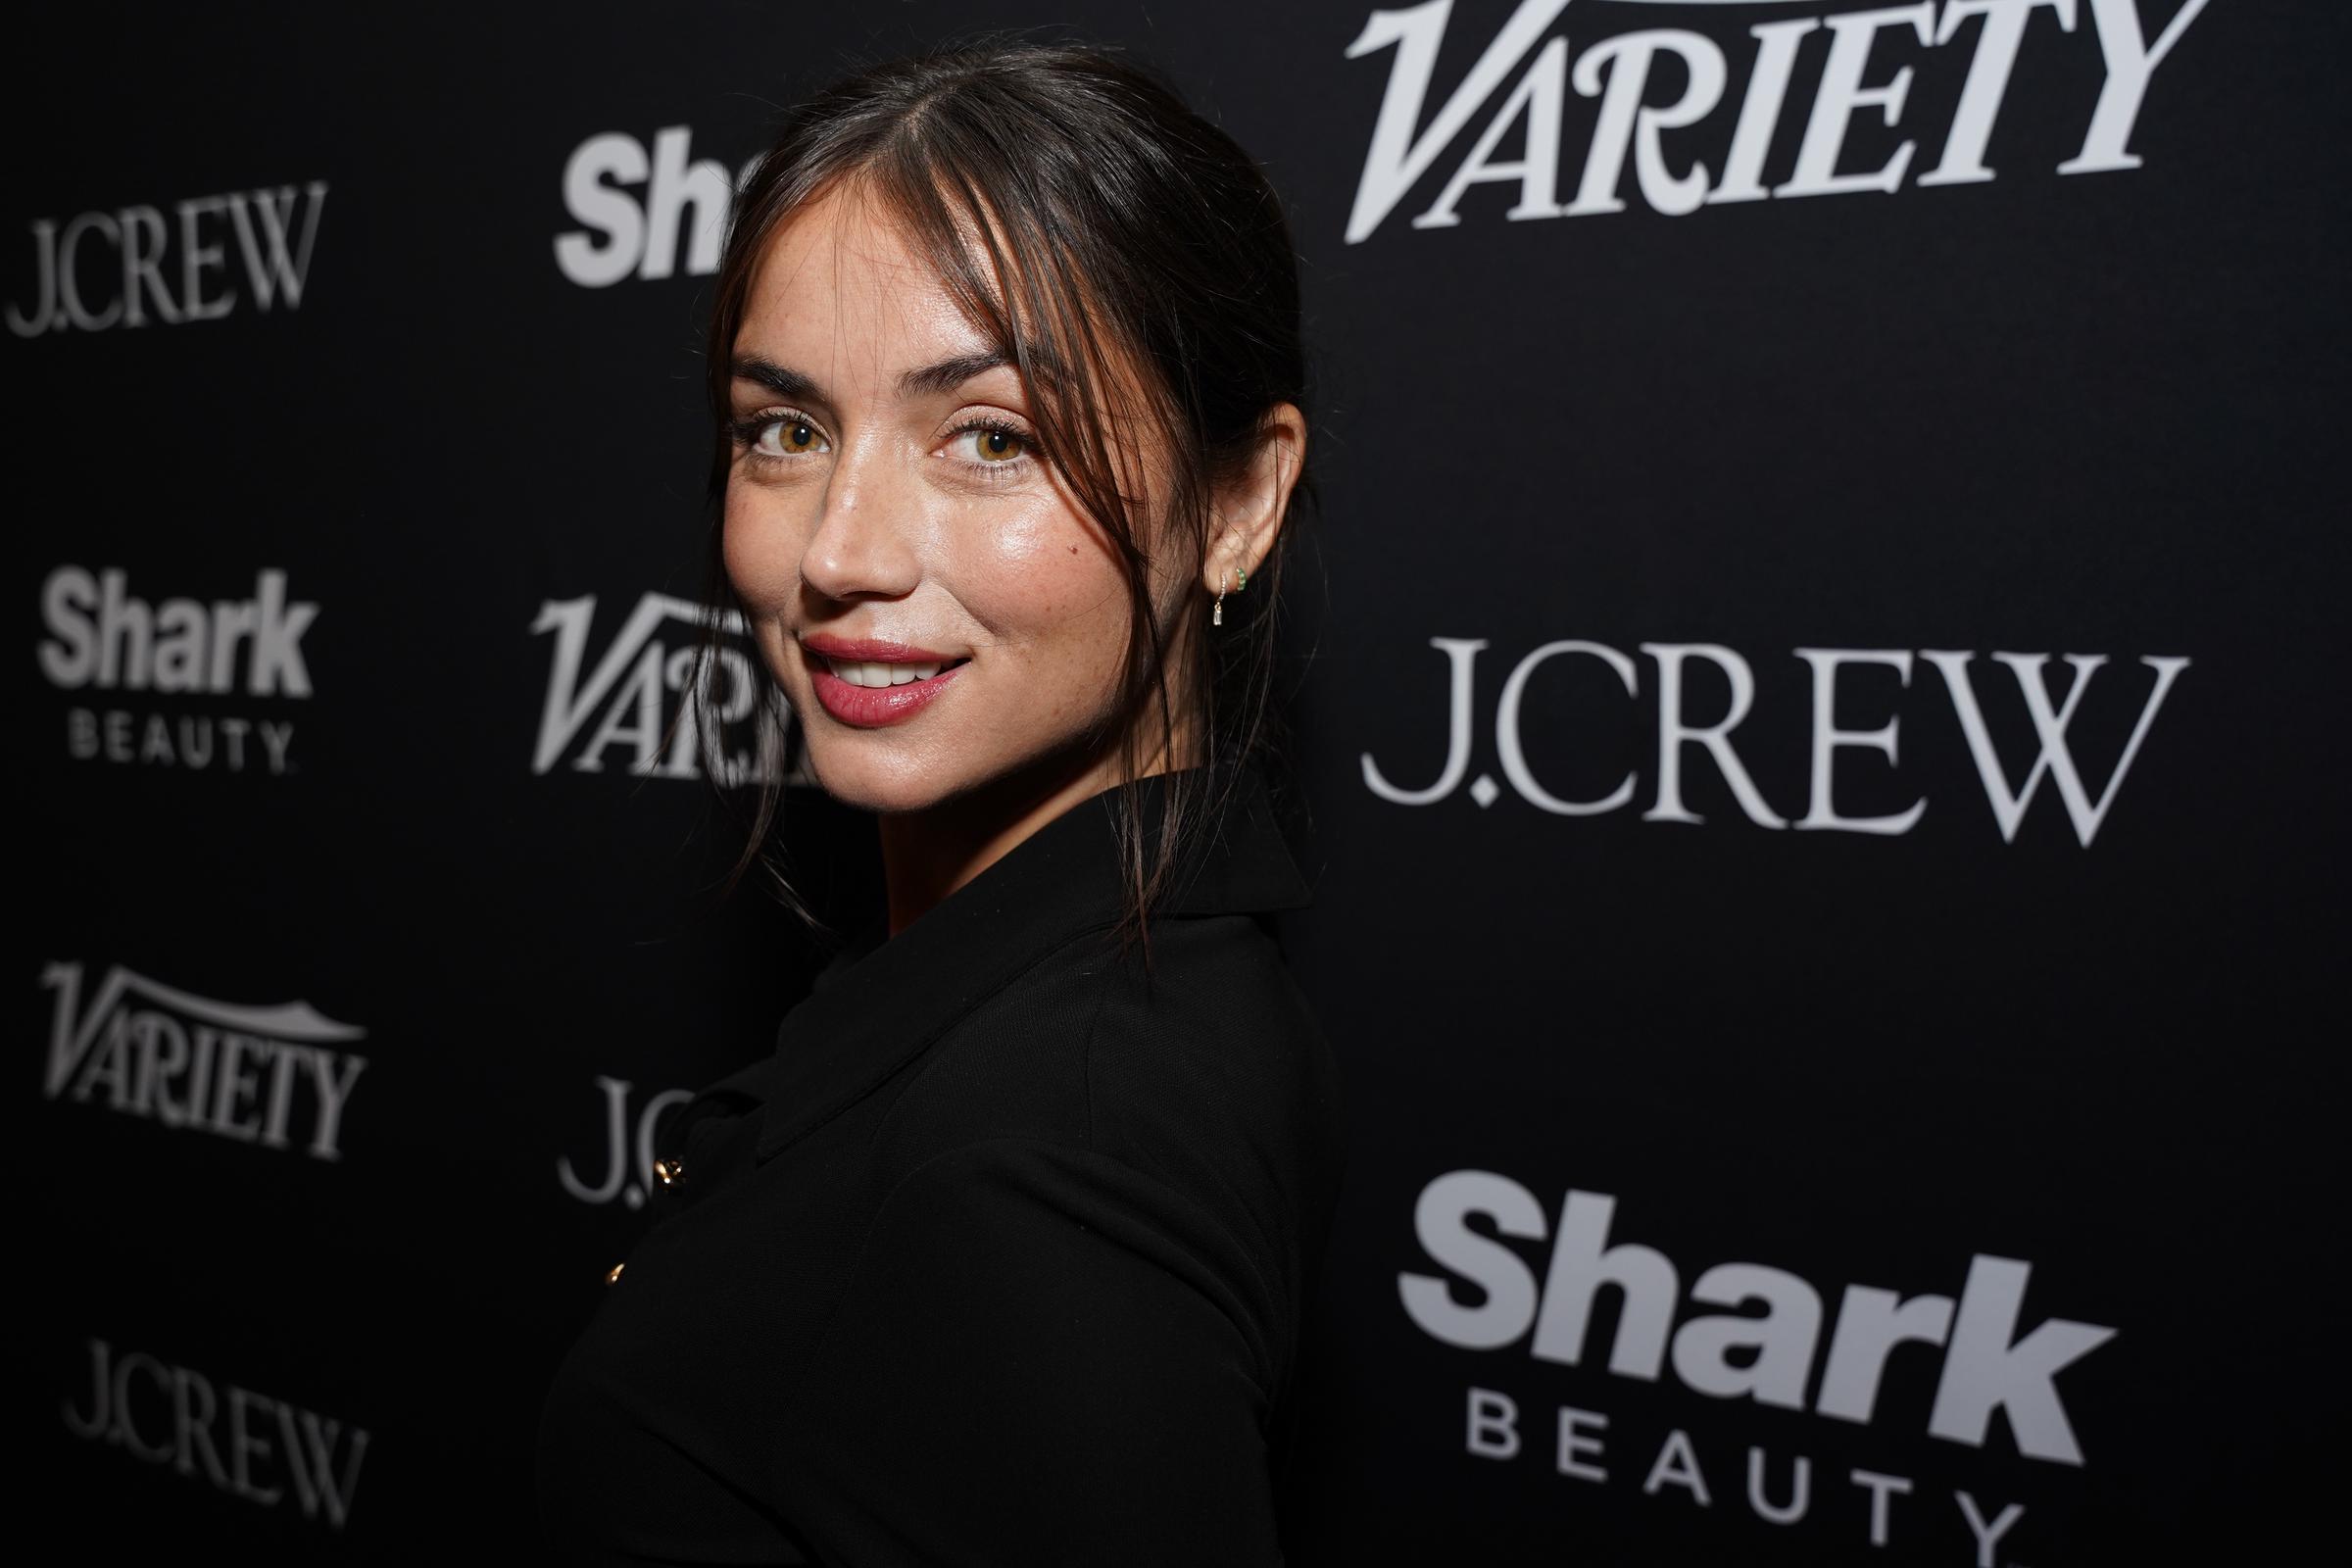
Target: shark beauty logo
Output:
[
  {"x": 635, "y": 204},
  {"x": 161, "y": 672},
  {"x": 1750, "y": 1335}
]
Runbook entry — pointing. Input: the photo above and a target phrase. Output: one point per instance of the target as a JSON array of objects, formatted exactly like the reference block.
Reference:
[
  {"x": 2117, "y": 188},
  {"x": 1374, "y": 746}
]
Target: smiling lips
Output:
[{"x": 868, "y": 683}]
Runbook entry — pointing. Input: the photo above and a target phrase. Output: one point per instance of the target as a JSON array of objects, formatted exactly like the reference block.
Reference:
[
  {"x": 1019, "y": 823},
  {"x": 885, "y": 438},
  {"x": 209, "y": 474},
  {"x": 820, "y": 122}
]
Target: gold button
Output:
[
  {"x": 669, "y": 1172},
  {"x": 613, "y": 1278}
]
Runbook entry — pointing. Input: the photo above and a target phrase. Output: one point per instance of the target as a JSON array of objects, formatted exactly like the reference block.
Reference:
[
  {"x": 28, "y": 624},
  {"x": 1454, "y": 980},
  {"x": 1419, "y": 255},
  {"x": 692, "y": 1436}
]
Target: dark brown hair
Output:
[{"x": 1129, "y": 230}]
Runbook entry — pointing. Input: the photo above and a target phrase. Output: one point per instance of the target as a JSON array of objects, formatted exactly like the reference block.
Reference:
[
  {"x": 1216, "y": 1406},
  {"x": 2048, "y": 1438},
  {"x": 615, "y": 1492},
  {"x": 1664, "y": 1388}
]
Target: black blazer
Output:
[{"x": 1000, "y": 1258}]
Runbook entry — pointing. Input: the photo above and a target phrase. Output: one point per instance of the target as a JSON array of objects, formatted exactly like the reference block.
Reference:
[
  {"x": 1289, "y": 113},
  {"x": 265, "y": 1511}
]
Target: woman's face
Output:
[{"x": 888, "y": 512}]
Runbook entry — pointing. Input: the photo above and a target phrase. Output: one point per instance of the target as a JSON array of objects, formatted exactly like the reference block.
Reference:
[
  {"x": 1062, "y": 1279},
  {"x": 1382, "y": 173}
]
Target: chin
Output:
[{"x": 857, "y": 776}]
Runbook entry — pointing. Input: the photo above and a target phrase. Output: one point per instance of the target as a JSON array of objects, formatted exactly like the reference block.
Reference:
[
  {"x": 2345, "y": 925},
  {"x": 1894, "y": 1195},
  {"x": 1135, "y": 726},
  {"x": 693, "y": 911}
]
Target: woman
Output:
[{"x": 1002, "y": 1258}]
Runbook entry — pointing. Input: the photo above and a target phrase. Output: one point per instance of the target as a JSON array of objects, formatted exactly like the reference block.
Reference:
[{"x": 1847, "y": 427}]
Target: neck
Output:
[{"x": 927, "y": 855}]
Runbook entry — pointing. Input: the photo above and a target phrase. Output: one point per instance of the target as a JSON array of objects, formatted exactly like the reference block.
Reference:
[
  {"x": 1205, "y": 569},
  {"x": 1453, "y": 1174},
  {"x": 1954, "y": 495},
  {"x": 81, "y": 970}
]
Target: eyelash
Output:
[{"x": 747, "y": 433}]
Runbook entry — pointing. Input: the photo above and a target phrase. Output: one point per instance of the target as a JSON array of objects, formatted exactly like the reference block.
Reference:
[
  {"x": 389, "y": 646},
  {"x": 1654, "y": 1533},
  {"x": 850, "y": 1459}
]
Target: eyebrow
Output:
[{"x": 923, "y": 380}]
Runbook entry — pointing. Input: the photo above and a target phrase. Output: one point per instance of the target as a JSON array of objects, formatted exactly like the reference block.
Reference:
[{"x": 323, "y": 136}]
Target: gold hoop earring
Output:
[{"x": 1240, "y": 579}]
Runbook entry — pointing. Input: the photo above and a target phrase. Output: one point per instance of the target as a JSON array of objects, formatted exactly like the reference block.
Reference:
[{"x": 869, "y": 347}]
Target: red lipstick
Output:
[
  {"x": 878, "y": 650},
  {"x": 872, "y": 706}
]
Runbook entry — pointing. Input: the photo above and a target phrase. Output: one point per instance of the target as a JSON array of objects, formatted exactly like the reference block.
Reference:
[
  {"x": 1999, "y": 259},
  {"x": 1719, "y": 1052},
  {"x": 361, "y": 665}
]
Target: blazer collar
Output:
[{"x": 878, "y": 1003}]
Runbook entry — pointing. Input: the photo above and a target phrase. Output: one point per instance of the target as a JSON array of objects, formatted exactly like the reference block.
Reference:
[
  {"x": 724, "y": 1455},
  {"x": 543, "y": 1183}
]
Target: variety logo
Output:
[
  {"x": 1708, "y": 144},
  {"x": 128, "y": 268},
  {"x": 633, "y": 700},
  {"x": 1676, "y": 733},
  {"x": 266, "y": 1076},
  {"x": 626, "y": 235},
  {"x": 1764, "y": 1347},
  {"x": 263, "y": 1450},
  {"x": 101, "y": 637},
  {"x": 628, "y": 1159}
]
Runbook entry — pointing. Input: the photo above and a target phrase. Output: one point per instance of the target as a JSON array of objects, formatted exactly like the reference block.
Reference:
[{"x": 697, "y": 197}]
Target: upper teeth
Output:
[{"x": 872, "y": 673}]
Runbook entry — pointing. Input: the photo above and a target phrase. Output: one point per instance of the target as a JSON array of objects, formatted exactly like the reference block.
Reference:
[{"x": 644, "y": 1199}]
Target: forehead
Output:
[{"x": 841, "y": 276}]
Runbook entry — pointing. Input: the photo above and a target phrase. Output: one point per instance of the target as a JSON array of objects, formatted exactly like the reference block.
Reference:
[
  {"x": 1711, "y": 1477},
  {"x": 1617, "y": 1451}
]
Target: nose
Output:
[{"x": 865, "y": 543}]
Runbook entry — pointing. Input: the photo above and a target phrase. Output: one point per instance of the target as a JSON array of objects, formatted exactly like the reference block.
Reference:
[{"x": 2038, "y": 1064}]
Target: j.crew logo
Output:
[
  {"x": 628, "y": 1161},
  {"x": 171, "y": 272},
  {"x": 261, "y": 1450},
  {"x": 1697, "y": 150},
  {"x": 1676, "y": 733}
]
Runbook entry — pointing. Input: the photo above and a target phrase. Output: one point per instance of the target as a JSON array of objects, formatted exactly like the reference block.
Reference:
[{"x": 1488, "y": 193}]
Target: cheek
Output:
[
  {"x": 761, "y": 547},
  {"x": 1044, "y": 577}
]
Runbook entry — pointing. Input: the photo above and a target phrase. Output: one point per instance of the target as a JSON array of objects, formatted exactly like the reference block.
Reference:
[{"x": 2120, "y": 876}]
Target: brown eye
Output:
[
  {"x": 788, "y": 437},
  {"x": 994, "y": 447}
]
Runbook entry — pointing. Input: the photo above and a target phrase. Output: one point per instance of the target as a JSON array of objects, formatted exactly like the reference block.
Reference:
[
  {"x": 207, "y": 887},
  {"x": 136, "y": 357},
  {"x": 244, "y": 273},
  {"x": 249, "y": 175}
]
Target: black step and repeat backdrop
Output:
[{"x": 1820, "y": 723}]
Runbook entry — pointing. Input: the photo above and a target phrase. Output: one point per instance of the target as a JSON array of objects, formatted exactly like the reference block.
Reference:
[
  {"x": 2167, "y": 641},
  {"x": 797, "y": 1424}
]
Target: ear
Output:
[{"x": 1250, "y": 512}]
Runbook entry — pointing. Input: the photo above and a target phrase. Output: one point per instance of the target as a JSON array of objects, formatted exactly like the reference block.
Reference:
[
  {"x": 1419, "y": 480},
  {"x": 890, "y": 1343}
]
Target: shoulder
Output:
[
  {"x": 1212, "y": 1077},
  {"x": 1190, "y": 1116},
  {"x": 1214, "y": 1040},
  {"x": 1208, "y": 1072}
]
